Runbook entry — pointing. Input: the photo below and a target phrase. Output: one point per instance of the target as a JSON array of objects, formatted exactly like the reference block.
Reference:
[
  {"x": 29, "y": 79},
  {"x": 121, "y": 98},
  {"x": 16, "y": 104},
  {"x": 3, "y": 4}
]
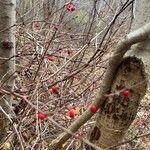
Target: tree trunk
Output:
[
  {"x": 118, "y": 111},
  {"x": 7, "y": 64}
]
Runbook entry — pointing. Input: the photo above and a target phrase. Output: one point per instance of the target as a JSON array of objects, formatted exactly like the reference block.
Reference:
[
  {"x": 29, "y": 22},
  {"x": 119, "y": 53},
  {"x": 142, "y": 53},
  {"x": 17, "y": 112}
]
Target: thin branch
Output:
[
  {"x": 134, "y": 37},
  {"x": 14, "y": 126}
]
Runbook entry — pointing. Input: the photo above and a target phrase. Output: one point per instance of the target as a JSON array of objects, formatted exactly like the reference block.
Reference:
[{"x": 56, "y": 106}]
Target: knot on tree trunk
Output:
[{"x": 6, "y": 45}]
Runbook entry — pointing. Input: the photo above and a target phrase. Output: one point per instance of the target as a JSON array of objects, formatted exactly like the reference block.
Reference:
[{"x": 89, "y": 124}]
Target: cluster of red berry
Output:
[
  {"x": 72, "y": 112},
  {"x": 92, "y": 108},
  {"x": 70, "y": 7}
]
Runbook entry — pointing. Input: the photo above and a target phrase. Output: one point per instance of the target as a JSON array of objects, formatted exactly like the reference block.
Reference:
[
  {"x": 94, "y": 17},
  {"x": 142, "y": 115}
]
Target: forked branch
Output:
[{"x": 122, "y": 47}]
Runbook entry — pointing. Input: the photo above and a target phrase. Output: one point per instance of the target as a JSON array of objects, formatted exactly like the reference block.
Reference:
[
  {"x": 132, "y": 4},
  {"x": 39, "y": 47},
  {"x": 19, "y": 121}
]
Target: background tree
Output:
[{"x": 7, "y": 60}]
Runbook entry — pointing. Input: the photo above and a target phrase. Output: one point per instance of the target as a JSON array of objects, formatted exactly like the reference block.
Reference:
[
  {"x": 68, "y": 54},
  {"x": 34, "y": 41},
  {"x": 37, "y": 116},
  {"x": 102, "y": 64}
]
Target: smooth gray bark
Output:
[
  {"x": 142, "y": 17},
  {"x": 7, "y": 64}
]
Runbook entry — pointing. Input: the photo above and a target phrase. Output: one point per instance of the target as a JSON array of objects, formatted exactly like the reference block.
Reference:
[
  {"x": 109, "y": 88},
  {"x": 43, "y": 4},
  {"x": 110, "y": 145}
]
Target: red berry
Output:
[
  {"x": 149, "y": 103},
  {"x": 126, "y": 93},
  {"x": 54, "y": 90},
  {"x": 93, "y": 109},
  {"x": 50, "y": 58},
  {"x": 69, "y": 51},
  {"x": 72, "y": 114},
  {"x": 41, "y": 116},
  {"x": 71, "y": 7}
]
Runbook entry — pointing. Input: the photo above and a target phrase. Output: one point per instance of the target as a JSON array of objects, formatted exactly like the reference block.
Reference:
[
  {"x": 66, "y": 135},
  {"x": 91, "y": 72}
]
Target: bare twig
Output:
[
  {"x": 14, "y": 126},
  {"x": 122, "y": 47}
]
